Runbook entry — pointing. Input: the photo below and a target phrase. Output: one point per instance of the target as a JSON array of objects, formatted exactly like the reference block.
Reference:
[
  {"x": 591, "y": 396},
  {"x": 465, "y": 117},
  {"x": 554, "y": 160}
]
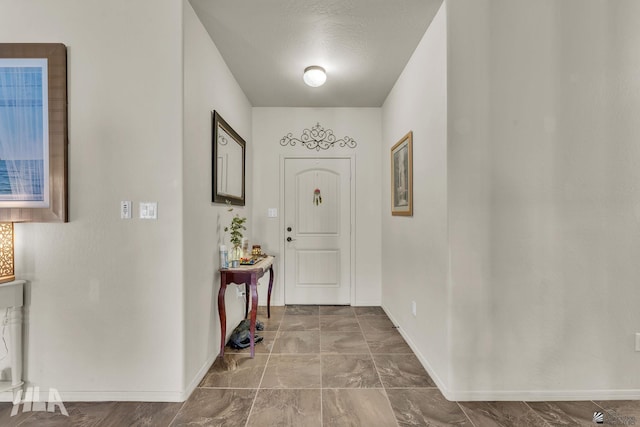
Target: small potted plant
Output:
[{"x": 236, "y": 227}]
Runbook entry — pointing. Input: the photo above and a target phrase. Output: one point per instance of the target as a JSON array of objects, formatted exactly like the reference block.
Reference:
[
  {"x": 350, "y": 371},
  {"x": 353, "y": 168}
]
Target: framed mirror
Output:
[{"x": 228, "y": 163}]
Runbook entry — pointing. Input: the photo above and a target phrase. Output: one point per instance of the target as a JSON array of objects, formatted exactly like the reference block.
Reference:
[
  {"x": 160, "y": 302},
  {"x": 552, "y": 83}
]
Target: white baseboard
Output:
[
  {"x": 198, "y": 377},
  {"x": 423, "y": 360},
  {"x": 372, "y": 303},
  {"x": 367, "y": 303},
  {"x": 108, "y": 396},
  {"x": 543, "y": 395},
  {"x": 128, "y": 396},
  {"x": 513, "y": 395}
]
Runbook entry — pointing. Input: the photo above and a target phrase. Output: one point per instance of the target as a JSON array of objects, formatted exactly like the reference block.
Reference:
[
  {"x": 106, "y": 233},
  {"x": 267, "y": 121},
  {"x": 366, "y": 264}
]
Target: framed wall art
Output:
[
  {"x": 402, "y": 176},
  {"x": 33, "y": 132}
]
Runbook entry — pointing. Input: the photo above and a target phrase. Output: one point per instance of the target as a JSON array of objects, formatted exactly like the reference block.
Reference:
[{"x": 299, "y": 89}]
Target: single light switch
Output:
[
  {"x": 148, "y": 210},
  {"x": 125, "y": 209},
  {"x": 272, "y": 213}
]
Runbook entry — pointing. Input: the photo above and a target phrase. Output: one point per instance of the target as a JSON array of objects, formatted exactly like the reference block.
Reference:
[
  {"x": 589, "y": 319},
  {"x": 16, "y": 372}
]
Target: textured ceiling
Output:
[{"x": 363, "y": 44}]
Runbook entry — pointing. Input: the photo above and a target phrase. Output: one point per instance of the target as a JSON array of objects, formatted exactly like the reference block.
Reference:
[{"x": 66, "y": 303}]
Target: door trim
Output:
[{"x": 352, "y": 240}]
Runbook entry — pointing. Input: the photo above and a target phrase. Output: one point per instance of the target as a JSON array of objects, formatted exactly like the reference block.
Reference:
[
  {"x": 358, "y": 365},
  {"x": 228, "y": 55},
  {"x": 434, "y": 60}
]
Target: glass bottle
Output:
[{"x": 224, "y": 257}]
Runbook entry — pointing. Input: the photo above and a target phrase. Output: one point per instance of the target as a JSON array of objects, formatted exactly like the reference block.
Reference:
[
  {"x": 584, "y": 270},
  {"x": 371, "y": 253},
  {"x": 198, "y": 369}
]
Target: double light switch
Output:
[{"x": 146, "y": 210}]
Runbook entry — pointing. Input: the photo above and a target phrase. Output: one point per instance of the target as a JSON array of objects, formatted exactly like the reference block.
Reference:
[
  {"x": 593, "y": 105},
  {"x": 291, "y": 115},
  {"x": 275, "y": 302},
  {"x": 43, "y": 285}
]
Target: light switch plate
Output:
[
  {"x": 148, "y": 210},
  {"x": 125, "y": 209},
  {"x": 272, "y": 213}
]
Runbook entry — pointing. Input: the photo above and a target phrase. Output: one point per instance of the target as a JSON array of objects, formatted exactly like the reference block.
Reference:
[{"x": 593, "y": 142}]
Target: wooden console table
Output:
[{"x": 247, "y": 275}]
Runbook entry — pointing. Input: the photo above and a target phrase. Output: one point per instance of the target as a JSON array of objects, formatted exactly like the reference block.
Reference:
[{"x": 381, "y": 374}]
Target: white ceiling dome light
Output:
[{"x": 314, "y": 76}]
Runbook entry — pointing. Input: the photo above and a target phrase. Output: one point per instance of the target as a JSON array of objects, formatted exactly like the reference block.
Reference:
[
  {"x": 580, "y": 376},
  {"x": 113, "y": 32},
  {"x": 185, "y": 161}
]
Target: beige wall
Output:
[
  {"x": 208, "y": 86},
  {"x": 104, "y": 315},
  {"x": 361, "y": 124},
  {"x": 525, "y": 226},
  {"x": 543, "y": 198},
  {"x": 526, "y": 203},
  {"x": 414, "y": 249}
]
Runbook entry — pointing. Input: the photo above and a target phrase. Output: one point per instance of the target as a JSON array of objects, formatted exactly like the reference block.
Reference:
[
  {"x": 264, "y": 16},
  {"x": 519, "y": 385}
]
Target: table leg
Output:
[
  {"x": 269, "y": 293},
  {"x": 254, "y": 312},
  {"x": 246, "y": 300},
  {"x": 222, "y": 312}
]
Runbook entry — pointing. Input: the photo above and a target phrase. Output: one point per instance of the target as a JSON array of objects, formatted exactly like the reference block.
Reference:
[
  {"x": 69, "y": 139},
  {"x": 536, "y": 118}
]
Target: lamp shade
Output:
[
  {"x": 314, "y": 76},
  {"x": 6, "y": 252}
]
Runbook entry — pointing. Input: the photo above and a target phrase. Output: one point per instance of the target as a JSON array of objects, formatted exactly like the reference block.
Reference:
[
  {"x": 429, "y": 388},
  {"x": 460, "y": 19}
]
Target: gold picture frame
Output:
[
  {"x": 54, "y": 191},
  {"x": 402, "y": 176}
]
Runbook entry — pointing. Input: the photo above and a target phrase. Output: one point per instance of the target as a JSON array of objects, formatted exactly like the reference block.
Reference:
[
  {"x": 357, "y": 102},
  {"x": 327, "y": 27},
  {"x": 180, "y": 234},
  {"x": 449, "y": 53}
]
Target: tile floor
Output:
[{"x": 325, "y": 366}]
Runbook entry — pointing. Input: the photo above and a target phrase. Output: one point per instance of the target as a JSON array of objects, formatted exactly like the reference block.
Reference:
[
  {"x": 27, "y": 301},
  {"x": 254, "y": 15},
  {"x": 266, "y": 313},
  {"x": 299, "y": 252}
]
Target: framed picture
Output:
[
  {"x": 402, "y": 176},
  {"x": 33, "y": 132}
]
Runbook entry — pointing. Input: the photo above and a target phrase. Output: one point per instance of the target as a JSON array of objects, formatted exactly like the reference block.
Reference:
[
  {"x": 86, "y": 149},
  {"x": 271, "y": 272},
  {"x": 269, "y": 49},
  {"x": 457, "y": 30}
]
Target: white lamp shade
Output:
[{"x": 314, "y": 76}]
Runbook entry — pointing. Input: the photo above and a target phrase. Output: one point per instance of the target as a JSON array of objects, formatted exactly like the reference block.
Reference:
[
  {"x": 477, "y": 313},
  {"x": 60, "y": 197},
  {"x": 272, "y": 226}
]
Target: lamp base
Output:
[{"x": 5, "y": 279}]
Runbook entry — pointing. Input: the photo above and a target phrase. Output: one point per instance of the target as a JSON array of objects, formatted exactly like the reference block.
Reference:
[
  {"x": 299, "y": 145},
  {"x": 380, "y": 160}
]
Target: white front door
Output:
[{"x": 317, "y": 220}]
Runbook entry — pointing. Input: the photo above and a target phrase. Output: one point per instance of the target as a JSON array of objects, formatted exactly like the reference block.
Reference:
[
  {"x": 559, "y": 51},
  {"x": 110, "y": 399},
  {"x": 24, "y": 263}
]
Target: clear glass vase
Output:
[{"x": 234, "y": 256}]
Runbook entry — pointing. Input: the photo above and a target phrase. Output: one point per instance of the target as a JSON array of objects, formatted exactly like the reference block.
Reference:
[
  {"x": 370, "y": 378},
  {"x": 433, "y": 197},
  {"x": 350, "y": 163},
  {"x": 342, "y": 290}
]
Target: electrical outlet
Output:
[
  {"x": 637, "y": 341},
  {"x": 413, "y": 308}
]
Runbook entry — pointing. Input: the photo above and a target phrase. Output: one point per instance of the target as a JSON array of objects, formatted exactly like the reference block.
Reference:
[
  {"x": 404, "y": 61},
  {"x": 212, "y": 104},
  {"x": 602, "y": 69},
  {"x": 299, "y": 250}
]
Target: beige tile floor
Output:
[{"x": 325, "y": 366}]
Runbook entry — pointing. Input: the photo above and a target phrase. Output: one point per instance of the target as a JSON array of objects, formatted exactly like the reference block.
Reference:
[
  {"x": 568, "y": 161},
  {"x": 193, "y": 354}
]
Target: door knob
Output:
[
  {"x": 289, "y": 239},
  {"x": 288, "y": 228}
]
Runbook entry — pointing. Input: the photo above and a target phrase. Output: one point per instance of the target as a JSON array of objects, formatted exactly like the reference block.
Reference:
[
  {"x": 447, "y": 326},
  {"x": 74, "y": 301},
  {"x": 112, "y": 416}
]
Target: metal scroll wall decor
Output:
[{"x": 318, "y": 138}]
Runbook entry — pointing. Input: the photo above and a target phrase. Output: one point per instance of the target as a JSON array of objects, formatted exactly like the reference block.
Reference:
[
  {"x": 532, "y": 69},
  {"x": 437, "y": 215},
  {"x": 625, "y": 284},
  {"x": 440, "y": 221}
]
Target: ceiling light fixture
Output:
[{"x": 314, "y": 76}]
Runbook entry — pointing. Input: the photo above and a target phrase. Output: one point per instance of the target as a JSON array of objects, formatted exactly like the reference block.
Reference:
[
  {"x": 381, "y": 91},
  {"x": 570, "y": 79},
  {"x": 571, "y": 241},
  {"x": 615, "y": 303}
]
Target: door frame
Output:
[{"x": 352, "y": 240}]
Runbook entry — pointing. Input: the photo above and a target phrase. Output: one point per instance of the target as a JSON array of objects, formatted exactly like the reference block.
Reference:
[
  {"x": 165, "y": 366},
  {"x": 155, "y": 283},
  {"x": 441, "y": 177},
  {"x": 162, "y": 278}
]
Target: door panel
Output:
[
  {"x": 320, "y": 268},
  {"x": 323, "y": 218},
  {"x": 318, "y": 247}
]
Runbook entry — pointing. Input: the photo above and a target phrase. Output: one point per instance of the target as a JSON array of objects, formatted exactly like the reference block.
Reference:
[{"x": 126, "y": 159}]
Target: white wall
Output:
[
  {"x": 533, "y": 152},
  {"x": 208, "y": 86},
  {"x": 544, "y": 198},
  {"x": 414, "y": 249},
  {"x": 362, "y": 124},
  {"x": 529, "y": 160},
  {"x": 105, "y": 301}
]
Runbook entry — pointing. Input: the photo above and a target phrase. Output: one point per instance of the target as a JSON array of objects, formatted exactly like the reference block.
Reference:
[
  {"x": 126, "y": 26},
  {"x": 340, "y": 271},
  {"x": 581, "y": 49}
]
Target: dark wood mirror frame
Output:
[
  {"x": 219, "y": 196},
  {"x": 56, "y": 55}
]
